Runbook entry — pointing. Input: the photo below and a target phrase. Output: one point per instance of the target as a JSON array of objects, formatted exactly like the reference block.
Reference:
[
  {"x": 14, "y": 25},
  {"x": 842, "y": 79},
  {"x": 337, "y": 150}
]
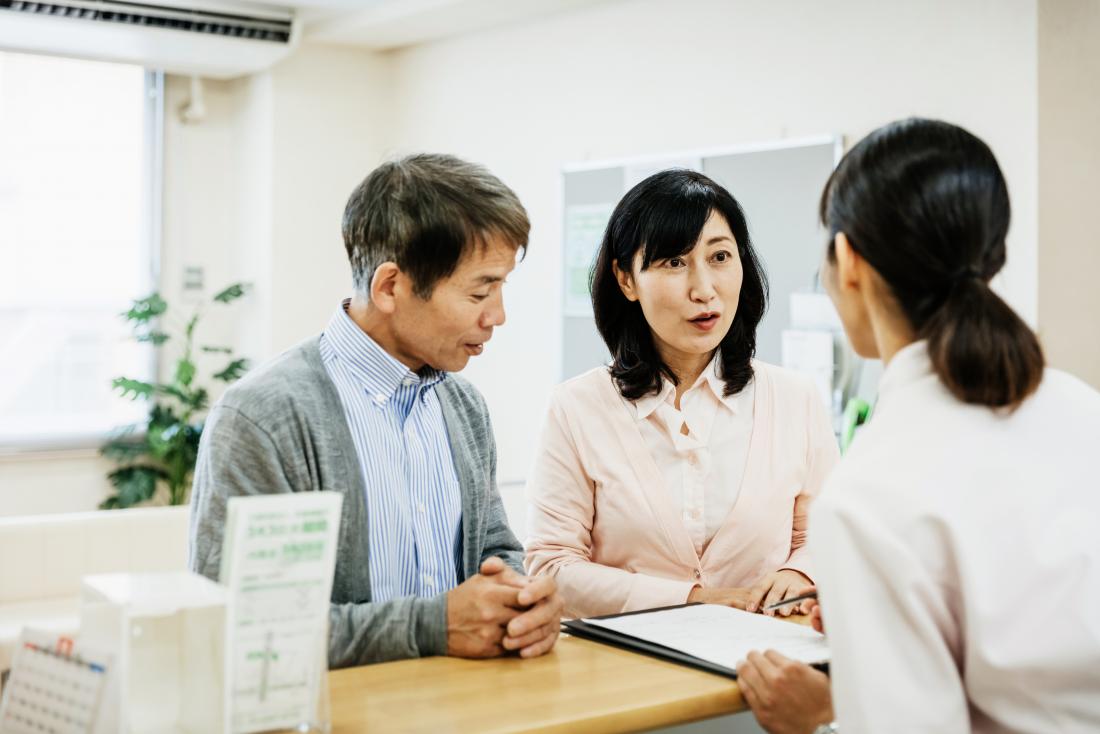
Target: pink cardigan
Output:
[{"x": 601, "y": 521}]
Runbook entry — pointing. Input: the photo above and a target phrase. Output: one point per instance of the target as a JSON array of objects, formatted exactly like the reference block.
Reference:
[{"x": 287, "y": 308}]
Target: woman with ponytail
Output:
[{"x": 956, "y": 545}]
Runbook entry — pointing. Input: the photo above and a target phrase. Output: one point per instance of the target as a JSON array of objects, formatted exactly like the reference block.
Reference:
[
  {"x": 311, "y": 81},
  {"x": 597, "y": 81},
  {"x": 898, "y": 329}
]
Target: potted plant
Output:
[{"x": 162, "y": 450}]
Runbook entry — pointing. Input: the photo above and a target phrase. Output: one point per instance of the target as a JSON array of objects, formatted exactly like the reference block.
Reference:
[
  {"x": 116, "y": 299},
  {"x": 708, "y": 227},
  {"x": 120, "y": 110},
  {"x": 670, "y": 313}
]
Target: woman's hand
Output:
[
  {"x": 786, "y": 696},
  {"x": 774, "y": 587},
  {"x": 736, "y": 597},
  {"x": 811, "y": 607}
]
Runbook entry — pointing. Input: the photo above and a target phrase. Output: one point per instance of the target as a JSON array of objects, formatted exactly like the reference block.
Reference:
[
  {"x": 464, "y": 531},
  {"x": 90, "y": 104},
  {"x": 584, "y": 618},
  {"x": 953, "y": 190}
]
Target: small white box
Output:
[
  {"x": 812, "y": 354},
  {"x": 167, "y": 634},
  {"x": 814, "y": 311}
]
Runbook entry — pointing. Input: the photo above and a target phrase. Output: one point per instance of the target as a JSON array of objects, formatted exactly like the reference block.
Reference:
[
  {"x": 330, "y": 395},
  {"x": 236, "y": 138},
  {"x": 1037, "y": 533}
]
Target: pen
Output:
[{"x": 792, "y": 600}]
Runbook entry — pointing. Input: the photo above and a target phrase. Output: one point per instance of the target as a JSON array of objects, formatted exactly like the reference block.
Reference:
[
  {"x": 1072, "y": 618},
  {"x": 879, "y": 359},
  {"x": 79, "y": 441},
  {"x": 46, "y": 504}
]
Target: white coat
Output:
[{"x": 957, "y": 552}]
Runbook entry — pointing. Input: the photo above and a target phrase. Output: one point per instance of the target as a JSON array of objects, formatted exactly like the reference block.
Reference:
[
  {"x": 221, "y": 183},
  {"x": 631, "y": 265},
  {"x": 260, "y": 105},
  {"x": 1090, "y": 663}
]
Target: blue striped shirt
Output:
[{"x": 414, "y": 503}]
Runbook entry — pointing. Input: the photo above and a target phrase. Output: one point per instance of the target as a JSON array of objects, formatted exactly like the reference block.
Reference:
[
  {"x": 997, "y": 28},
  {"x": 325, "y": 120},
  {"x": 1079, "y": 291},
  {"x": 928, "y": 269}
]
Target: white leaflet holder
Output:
[{"x": 277, "y": 566}]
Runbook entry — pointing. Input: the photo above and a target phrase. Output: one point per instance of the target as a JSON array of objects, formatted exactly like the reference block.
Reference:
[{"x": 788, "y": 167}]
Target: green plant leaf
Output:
[
  {"x": 124, "y": 449},
  {"x": 145, "y": 309},
  {"x": 161, "y": 416},
  {"x": 135, "y": 484},
  {"x": 174, "y": 441},
  {"x": 172, "y": 391},
  {"x": 190, "y": 329},
  {"x": 198, "y": 399},
  {"x": 165, "y": 447},
  {"x": 133, "y": 389},
  {"x": 185, "y": 372},
  {"x": 233, "y": 370},
  {"x": 156, "y": 337},
  {"x": 160, "y": 440},
  {"x": 233, "y": 292},
  {"x": 125, "y": 444}
]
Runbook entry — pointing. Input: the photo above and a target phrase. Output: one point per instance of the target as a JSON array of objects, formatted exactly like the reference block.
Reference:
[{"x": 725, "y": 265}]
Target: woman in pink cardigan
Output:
[{"x": 684, "y": 471}]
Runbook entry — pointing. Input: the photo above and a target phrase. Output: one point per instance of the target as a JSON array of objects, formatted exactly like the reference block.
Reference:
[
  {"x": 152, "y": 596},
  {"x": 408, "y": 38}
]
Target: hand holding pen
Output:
[{"x": 807, "y": 604}]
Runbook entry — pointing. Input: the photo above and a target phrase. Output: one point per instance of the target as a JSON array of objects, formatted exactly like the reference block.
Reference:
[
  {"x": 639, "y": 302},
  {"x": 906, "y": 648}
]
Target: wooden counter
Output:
[{"x": 581, "y": 686}]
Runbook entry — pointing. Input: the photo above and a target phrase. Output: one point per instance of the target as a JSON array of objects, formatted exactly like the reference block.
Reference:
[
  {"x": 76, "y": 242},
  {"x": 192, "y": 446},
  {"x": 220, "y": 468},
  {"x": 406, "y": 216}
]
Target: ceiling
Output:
[{"x": 388, "y": 24}]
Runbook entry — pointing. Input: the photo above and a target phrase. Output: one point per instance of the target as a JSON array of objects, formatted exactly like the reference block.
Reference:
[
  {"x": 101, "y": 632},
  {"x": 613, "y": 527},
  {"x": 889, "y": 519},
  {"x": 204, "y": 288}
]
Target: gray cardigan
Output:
[{"x": 282, "y": 429}]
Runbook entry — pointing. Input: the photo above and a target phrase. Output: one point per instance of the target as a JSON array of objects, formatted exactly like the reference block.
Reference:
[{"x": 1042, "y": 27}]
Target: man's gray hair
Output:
[{"x": 426, "y": 212}]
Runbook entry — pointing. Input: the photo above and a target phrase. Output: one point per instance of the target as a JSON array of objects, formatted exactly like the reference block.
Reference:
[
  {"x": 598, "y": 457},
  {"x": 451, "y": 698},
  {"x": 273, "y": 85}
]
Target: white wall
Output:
[
  {"x": 331, "y": 115},
  {"x": 256, "y": 190},
  {"x": 647, "y": 76}
]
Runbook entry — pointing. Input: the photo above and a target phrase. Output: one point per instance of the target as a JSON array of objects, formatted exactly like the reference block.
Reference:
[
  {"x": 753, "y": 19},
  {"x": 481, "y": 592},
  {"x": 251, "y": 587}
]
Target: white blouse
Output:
[
  {"x": 704, "y": 468},
  {"x": 957, "y": 558}
]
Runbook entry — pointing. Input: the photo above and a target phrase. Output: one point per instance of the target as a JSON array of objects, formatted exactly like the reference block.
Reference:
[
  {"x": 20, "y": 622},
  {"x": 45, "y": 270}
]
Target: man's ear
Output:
[
  {"x": 384, "y": 287},
  {"x": 851, "y": 269},
  {"x": 626, "y": 281}
]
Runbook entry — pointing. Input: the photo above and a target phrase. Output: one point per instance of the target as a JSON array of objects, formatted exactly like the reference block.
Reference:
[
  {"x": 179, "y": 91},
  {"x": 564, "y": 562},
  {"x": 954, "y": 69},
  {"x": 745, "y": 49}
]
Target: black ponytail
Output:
[
  {"x": 981, "y": 350},
  {"x": 926, "y": 205}
]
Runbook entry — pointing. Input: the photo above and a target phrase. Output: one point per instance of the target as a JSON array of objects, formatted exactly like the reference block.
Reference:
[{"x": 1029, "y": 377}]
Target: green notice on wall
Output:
[{"x": 584, "y": 227}]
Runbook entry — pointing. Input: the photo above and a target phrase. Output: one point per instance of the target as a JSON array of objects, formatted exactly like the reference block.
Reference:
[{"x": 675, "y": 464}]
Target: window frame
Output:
[{"x": 85, "y": 443}]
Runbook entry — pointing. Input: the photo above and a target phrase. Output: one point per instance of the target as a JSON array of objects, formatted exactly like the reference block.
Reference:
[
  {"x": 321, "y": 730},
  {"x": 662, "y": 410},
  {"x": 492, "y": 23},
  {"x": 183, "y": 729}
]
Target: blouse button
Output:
[{"x": 698, "y": 574}]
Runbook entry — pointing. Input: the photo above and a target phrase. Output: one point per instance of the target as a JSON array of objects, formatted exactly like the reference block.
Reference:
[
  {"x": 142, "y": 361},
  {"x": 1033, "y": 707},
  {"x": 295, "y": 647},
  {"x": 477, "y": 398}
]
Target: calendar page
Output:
[{"x": 54, "y": 687}]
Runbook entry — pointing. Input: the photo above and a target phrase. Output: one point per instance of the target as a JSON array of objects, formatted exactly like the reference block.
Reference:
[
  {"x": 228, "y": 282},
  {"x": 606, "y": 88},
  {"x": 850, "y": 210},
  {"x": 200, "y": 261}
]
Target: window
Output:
[{"x": 79, "y": 183}]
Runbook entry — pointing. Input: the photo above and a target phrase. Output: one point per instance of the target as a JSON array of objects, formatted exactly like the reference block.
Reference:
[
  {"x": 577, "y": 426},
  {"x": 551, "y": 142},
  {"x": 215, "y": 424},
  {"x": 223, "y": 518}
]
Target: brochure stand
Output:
[{"x": 277, "y": 567}]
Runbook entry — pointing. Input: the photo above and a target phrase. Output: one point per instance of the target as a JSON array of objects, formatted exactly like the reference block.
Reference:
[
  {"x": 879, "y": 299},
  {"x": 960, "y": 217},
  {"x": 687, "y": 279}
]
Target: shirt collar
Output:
[
  {"x": 375, "y": 369},
  {"x": 645, "y": 405},
  {"x": 909, "y": 364},
  {"x": 718, "y": 387}
]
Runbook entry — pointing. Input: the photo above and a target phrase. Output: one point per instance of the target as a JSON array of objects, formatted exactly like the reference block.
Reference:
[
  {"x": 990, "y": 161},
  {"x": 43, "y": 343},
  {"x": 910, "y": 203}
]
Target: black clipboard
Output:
[{"x": 580, "y": 628}]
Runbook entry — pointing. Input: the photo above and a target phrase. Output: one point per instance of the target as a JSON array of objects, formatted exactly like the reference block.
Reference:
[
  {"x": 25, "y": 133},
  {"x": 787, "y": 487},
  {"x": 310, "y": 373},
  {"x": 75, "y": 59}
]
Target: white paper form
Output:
[
  {"x": 278, "y": 562},
  {"x": 720, "y": 635}
]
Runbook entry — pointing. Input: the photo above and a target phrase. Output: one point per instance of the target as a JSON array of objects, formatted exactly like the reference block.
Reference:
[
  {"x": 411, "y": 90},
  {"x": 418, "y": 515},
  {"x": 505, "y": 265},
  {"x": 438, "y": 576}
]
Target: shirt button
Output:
[
  {"x": 698, "y": 574},
  {"x": 379, "y": 398},
  {"x": 695, "y": 514},
  {"x": 408, "y": 381},
  {"x": 420, "y": 506},
  {"x": 428, "y": 580},
  {"x": 693, "y": 460}
]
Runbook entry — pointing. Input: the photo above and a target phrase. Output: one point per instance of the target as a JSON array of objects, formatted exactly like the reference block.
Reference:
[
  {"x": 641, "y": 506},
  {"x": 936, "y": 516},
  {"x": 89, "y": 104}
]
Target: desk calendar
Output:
[{"x": 54, "y": 687}]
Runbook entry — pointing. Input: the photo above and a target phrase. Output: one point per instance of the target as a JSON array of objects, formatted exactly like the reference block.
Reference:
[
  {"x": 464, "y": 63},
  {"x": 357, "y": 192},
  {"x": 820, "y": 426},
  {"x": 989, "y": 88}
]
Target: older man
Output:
[{"x": 371, "y": 408}]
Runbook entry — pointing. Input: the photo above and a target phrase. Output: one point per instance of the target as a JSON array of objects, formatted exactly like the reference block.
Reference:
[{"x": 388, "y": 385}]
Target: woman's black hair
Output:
[
  {"x": 663, "y": 216},
  {"x": 925, "y": 204}
]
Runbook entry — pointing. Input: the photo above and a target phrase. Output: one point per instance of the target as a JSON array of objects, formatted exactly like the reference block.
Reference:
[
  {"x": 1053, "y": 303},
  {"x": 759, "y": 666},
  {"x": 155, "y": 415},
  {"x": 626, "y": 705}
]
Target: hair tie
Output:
[{"x": 968, "y": 273}]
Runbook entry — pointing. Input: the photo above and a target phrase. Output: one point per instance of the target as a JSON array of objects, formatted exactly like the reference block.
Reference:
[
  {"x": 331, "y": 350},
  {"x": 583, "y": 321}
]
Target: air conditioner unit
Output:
[{"x": 204, "y": 37}]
